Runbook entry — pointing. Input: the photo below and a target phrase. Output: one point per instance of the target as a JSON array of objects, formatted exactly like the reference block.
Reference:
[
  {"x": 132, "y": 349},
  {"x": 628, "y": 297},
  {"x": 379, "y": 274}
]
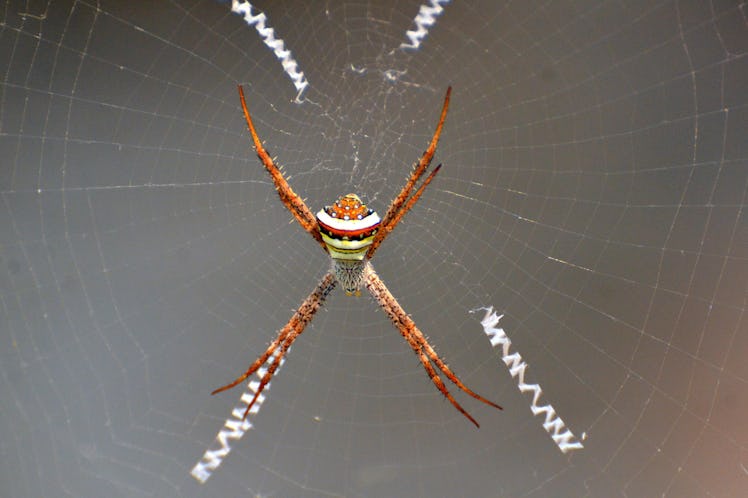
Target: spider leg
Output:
[
  {"x": 286, "y": 336},
  {"x": 420, "y": 166},
  {"x": 447, "y": 371},
  {"x": 408, "y": 205},
  {"x": 417, "y": 341},
  {"x": 271, "y": 370},
  {"x": 434, "y": 376},
  {"x": 391, "y": 218},
  {"x": 258, "y": 362},
  {"x": 290, "y": 199}
]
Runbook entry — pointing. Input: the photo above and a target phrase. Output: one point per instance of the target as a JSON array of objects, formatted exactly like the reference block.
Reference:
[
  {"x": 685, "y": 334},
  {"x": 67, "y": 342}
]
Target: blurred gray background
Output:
[{"x": 593, "y": 190}]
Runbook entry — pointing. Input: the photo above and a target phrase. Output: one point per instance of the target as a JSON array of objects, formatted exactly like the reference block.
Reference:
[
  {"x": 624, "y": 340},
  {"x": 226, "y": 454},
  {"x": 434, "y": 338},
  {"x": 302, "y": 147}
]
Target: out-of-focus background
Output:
[{"x": 593, "y": 190}]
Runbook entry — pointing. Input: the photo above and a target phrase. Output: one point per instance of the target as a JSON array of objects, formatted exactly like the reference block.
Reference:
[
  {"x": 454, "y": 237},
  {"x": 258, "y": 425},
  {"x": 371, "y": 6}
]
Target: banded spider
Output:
[{"x": 351, "y": 233}]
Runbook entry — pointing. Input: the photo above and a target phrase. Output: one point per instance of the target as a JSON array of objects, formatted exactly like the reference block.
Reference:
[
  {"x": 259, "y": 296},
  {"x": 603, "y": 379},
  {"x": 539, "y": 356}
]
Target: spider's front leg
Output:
[
  {"x": 418, "y": 342},
  {"x": 290, "y": 199},
  {"x": 285, "y": 338}
]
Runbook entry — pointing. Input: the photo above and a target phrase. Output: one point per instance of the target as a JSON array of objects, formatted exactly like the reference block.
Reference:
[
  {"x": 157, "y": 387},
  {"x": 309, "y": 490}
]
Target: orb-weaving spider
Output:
[{"x": 351, "y": 233}]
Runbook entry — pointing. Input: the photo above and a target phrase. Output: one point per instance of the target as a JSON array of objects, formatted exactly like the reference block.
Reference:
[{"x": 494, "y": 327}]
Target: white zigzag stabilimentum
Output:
[{"x": 553, "y": 425}]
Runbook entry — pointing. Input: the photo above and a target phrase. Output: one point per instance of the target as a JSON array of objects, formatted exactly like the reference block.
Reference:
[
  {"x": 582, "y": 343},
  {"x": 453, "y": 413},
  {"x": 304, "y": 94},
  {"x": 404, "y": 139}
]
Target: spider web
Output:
[{"x": 593, "y": 191}]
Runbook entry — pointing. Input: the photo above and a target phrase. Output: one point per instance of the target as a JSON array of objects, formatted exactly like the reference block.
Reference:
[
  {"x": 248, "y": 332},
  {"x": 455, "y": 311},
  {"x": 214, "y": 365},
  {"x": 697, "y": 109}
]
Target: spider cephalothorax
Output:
[
  {"x": 350, "y": 233},
  {"x": 348, "y": 228}
]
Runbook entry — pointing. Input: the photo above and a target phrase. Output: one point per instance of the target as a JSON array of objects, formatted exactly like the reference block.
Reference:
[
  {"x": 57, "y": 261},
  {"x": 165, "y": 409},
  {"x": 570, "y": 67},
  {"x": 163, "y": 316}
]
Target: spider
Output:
[{"x": 351, "y": 233}]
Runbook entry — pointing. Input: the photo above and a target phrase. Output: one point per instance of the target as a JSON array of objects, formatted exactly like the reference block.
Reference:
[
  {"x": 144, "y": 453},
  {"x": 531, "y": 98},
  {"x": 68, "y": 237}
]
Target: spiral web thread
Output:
[
  {"x": 553, "y": 425},
  {"x": 259, "y": 21},
  {"x": 234, "y": 427},
  {"x": 425, "y": 18}
]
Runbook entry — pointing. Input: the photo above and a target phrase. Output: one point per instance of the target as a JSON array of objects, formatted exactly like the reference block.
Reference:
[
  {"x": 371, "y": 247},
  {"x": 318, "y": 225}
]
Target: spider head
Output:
[{"x": 348, "y": 228}]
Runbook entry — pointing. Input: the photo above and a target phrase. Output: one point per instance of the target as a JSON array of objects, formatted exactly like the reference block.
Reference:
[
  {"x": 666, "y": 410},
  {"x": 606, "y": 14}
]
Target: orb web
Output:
[{"x": 593, "y": 191}]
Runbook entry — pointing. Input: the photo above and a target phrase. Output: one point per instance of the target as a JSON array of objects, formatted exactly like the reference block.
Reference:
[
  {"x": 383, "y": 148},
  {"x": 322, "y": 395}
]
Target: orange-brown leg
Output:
[
  {"x": 417, "y": 341},
  {"x": 259, "y": 361},
  {"x": 418, "y": 171},
  {"x": 286, "y": 336},
  {"x": 438, "y": 381},
  {"x": 385, "y": 230},
  {"x": 421, "y": 339},
  {"x": 290, "y": 199},
  {"x": 265, "y": 380}
]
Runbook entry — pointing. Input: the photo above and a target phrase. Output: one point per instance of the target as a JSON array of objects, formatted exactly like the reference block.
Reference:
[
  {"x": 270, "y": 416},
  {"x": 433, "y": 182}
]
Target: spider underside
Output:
[{"x": 351, "y": 233}]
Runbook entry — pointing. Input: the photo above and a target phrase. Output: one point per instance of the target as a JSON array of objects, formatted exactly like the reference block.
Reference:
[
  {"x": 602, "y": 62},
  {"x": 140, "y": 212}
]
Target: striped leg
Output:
[
  {"x": 287, "y": 335},
  {"x": 290, "y": 199},
  {"x": 418, "y": 342},
  {"x": 403, "y": 202}
]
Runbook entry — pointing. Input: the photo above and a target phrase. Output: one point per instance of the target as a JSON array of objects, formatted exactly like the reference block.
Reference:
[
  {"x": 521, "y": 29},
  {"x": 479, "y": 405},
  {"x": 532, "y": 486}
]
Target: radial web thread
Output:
[{"x": 553, "y": 425}]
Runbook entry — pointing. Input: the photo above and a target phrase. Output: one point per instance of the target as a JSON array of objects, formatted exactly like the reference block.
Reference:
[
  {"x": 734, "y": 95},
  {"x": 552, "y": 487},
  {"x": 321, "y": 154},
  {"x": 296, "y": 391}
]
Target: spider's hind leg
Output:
[
  {"x": 288, "y": 197},
  {"x": 403, "y": 202}
]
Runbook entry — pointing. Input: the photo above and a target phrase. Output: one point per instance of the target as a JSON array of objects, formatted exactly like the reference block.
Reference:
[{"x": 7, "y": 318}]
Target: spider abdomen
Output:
[{"x": 348, "y": 228}]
